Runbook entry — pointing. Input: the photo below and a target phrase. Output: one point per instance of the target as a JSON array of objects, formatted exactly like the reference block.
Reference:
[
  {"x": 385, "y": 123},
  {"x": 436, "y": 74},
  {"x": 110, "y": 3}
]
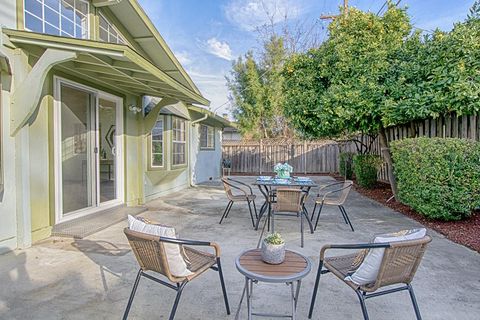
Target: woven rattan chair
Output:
[
  {"x": 400, "y": 262},
  {"x": 288, "y": 201},
  {"x": 244, "y": 193},
  {"x": 333, "y": 194},
  {"x": 150, "y": 253}
]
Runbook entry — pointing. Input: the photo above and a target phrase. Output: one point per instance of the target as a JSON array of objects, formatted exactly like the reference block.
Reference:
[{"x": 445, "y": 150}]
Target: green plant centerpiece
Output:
[
  {"x": 273, "y": 249},
  {"x": 283, "y": 170}
]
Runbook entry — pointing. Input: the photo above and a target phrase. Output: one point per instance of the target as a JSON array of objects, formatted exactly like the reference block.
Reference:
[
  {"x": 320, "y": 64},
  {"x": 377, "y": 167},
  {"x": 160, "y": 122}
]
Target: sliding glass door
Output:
[{"x": 88, "y": 159}]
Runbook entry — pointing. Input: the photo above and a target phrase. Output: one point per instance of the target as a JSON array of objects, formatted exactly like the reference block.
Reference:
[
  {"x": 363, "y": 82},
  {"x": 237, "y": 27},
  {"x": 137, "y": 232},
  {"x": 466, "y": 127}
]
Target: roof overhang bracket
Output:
[
  {"x": 27, "y": 92},
  {"x": 151, "y": 118}
]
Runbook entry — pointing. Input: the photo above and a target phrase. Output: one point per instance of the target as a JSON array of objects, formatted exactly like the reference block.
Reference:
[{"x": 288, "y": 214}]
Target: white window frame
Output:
[
  {"x": 209, "y": 139},
  {"x": 174, "y": 141},
  {"x": 152, "y": 165},
  {"x": 120, "y": 37},
  {"x": 58, "y": 10}
]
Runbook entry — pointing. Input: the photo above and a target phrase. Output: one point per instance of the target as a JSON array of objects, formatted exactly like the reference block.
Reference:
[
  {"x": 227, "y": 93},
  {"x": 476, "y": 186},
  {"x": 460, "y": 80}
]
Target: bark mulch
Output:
[{"x": 465, "y": 232}]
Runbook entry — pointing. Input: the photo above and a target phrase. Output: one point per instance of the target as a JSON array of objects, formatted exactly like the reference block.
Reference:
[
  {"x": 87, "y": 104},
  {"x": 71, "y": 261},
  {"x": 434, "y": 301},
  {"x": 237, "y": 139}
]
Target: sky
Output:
[{"x": 207, "y": 35}]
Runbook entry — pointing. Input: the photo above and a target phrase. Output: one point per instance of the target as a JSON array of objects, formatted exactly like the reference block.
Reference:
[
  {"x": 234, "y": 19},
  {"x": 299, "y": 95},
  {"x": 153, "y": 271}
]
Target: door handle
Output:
[{"x": 114, "y": 150}]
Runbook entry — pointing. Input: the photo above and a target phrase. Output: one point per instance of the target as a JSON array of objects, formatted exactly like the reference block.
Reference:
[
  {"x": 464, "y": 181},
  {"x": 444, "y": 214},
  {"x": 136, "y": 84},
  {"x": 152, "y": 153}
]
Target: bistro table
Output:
[
  {"x": 295, "y": 267},
  {"x": 265, "y": 185}
]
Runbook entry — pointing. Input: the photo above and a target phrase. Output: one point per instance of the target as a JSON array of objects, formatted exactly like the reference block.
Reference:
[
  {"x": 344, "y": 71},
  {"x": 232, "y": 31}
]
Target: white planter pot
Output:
[{"x": 273, "y": 253}]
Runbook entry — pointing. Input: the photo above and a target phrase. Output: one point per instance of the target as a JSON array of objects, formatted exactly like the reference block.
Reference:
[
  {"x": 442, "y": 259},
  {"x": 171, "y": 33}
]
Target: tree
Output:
[
  {"x": 373, "y": 72},
  {"x": 256, "y": 92}
]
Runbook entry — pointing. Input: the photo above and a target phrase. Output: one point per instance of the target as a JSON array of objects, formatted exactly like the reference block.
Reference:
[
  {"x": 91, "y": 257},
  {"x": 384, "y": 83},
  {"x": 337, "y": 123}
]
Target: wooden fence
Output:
[
  {"x": 311, "y": 157},
  {"x": 259, "y": 157}
]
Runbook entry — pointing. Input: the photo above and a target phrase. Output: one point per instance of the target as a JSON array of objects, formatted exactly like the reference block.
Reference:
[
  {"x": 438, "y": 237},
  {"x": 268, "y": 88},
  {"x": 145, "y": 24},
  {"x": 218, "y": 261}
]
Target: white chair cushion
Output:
[
  {"x": 367, "y": 272},
  {"x": 175, "y": 260}
]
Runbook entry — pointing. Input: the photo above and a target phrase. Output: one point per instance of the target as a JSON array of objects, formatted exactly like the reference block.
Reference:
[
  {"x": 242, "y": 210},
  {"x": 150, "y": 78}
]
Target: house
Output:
[
  {"x": 231, "y": 134},
  {"x": 75, "y": 137}
]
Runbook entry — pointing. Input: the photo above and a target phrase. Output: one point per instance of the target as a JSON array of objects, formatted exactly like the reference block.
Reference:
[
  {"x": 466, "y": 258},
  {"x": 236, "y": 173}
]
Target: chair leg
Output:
[
  {"x": 414, "y": 302},
  {"x": 343, "y": 214},
  {"x": 301, "y": 230},
  {"x": 313, "y": 212},
  {"x": 251, "y": 215},
  {"x": 132, "y": 294},
  {"x": 362, "y": 304},
  {"x": 255, "y": 209},
  {"x": 222, "y": 282},
  {"x": 318, "y": 216},
  {"x": 346, "y": 216},
  {"x": 177, "y": 300},
  {"x": 227, "y": 209},
  {"x": 315, "y": 290},
  {"x": 310, "y": 225}
]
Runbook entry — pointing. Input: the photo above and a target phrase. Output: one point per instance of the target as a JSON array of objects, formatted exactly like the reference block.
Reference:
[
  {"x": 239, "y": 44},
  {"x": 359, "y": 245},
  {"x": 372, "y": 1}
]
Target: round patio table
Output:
[{"x": 295, "y": 267}]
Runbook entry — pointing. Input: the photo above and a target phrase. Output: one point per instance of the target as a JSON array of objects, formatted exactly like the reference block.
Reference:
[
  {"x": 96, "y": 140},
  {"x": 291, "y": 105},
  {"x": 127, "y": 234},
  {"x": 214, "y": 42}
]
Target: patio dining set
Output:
[{"x": 389, "y": 260}]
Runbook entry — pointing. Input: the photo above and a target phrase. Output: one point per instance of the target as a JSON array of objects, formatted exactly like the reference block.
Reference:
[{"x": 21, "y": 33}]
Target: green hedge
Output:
[
  {"x": 346, "y": 164},
  {"x": 365, "y": 167},
  {"x": 440, "y": 178}
]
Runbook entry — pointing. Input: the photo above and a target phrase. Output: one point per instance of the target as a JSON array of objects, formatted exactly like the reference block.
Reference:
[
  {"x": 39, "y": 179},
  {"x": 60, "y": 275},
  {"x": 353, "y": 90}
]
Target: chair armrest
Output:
[
  {"x": 242, "y": 183},
  {"x": 193, "y": 243},
  {"x": 352, "y": 246},
  {"x": 333, "y": 191}
]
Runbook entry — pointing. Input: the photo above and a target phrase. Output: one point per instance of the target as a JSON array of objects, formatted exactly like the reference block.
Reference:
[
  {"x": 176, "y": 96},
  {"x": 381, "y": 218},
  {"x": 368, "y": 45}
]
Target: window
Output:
[
  {"x": 1, "y": 147},
  {"x": 67, "y": 18},
  {"x": 178, "y": 141},
  {"x": 207, "y": 137},
  {"x": 108, "y": 33},
  {"x": 157, "y": 144}
]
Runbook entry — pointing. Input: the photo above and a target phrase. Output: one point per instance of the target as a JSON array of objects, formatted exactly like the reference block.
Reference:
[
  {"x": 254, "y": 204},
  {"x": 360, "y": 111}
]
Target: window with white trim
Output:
[
  {"x": 156, "y": 144},
  {"x": 108, "y": 33},
  {"x": 207, "y": 137},
  {"x": 179, "y": 141},
  {"x": 66, "y": 18}
]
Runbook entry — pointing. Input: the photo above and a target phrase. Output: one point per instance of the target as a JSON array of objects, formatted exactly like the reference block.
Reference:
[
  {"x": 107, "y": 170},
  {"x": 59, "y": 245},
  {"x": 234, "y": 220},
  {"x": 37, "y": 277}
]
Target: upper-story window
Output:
[
  {"x": 67, "y": 18},
  {"x": 108, "y": 33}
]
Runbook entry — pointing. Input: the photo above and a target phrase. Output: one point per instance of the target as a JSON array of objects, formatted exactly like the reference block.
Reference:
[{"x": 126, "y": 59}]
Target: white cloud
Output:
[
  {"x": 220, "y": 49},
  {"x": 214, "y": 88},
  {"x": 249, "y": 14},
  {"x": 183, "y": 57}
]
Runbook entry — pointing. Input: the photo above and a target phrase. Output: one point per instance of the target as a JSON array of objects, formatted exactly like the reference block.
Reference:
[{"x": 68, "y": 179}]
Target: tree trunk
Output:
[{"x": 385, "y": 148}]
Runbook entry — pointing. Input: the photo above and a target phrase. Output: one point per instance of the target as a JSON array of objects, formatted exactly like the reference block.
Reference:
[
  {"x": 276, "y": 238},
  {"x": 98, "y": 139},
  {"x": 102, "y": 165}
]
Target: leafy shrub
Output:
[
  {"x": 365, "y": 167},
  {"x": 440, "y": 178},
  {"x": 274, "y": 238},
  {"x": 346, "y": 164}
]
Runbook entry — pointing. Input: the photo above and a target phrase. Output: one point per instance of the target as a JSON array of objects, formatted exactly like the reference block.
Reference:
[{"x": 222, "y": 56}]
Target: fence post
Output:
[
  {"x": 304, "y": 155},
  {"x": 260, "y": 156}
]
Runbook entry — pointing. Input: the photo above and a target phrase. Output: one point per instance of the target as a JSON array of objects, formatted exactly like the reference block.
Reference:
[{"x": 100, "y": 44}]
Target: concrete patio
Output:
[{"x": 91, "y": 278}]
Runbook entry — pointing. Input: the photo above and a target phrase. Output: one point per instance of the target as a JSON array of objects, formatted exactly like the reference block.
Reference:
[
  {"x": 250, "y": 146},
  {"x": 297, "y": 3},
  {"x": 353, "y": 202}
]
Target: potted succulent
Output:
[
  {"x": 283, "y": 170},
  {"x": 273, "y": 249}
]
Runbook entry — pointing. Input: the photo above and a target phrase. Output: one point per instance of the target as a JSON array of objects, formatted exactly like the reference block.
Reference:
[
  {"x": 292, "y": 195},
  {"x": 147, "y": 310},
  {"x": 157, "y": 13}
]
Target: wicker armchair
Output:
[
  {"x": 244, "y": 193},
  {"x": 400, "y": 262},
  {"x": 287, "y": 201},
  {"x": 150, "y": 253},
  {"x": 333, "y": 194}
]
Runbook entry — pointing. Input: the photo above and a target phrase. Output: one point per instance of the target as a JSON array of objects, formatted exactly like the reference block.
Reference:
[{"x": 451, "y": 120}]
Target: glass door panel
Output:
[
  {"x": 108, "y": 153},
  {"x": 77, "y": 149}
]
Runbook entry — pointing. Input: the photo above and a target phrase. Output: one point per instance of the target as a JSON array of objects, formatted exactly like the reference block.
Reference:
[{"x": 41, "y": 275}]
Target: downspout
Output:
[
  {"x": 199, "y": 120},
  {"x": 190, "y": 175}
]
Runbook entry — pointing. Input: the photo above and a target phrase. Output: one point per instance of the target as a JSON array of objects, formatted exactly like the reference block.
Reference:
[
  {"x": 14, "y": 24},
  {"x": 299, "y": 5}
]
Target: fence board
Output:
[{"x": 307, "y": 157}]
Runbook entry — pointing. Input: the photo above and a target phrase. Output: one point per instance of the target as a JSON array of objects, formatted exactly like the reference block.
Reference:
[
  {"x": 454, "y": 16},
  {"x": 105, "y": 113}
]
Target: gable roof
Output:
[{"x": 144, "y": 33}]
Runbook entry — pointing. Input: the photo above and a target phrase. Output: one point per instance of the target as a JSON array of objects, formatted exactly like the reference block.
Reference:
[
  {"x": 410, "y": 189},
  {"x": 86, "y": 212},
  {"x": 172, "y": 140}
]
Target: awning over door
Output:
[{"x": 114, "y": 66}]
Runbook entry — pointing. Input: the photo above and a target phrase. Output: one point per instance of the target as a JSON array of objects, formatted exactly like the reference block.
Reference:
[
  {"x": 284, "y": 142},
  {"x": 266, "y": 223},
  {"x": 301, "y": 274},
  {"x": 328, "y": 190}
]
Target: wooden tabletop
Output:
[{"x": 295, "y": 267}]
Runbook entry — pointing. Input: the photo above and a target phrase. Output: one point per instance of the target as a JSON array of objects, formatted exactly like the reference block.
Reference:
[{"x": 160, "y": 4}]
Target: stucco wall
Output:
[
  {"x": 206, "y": 164},
  {"x": 8, "y": 222}
]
